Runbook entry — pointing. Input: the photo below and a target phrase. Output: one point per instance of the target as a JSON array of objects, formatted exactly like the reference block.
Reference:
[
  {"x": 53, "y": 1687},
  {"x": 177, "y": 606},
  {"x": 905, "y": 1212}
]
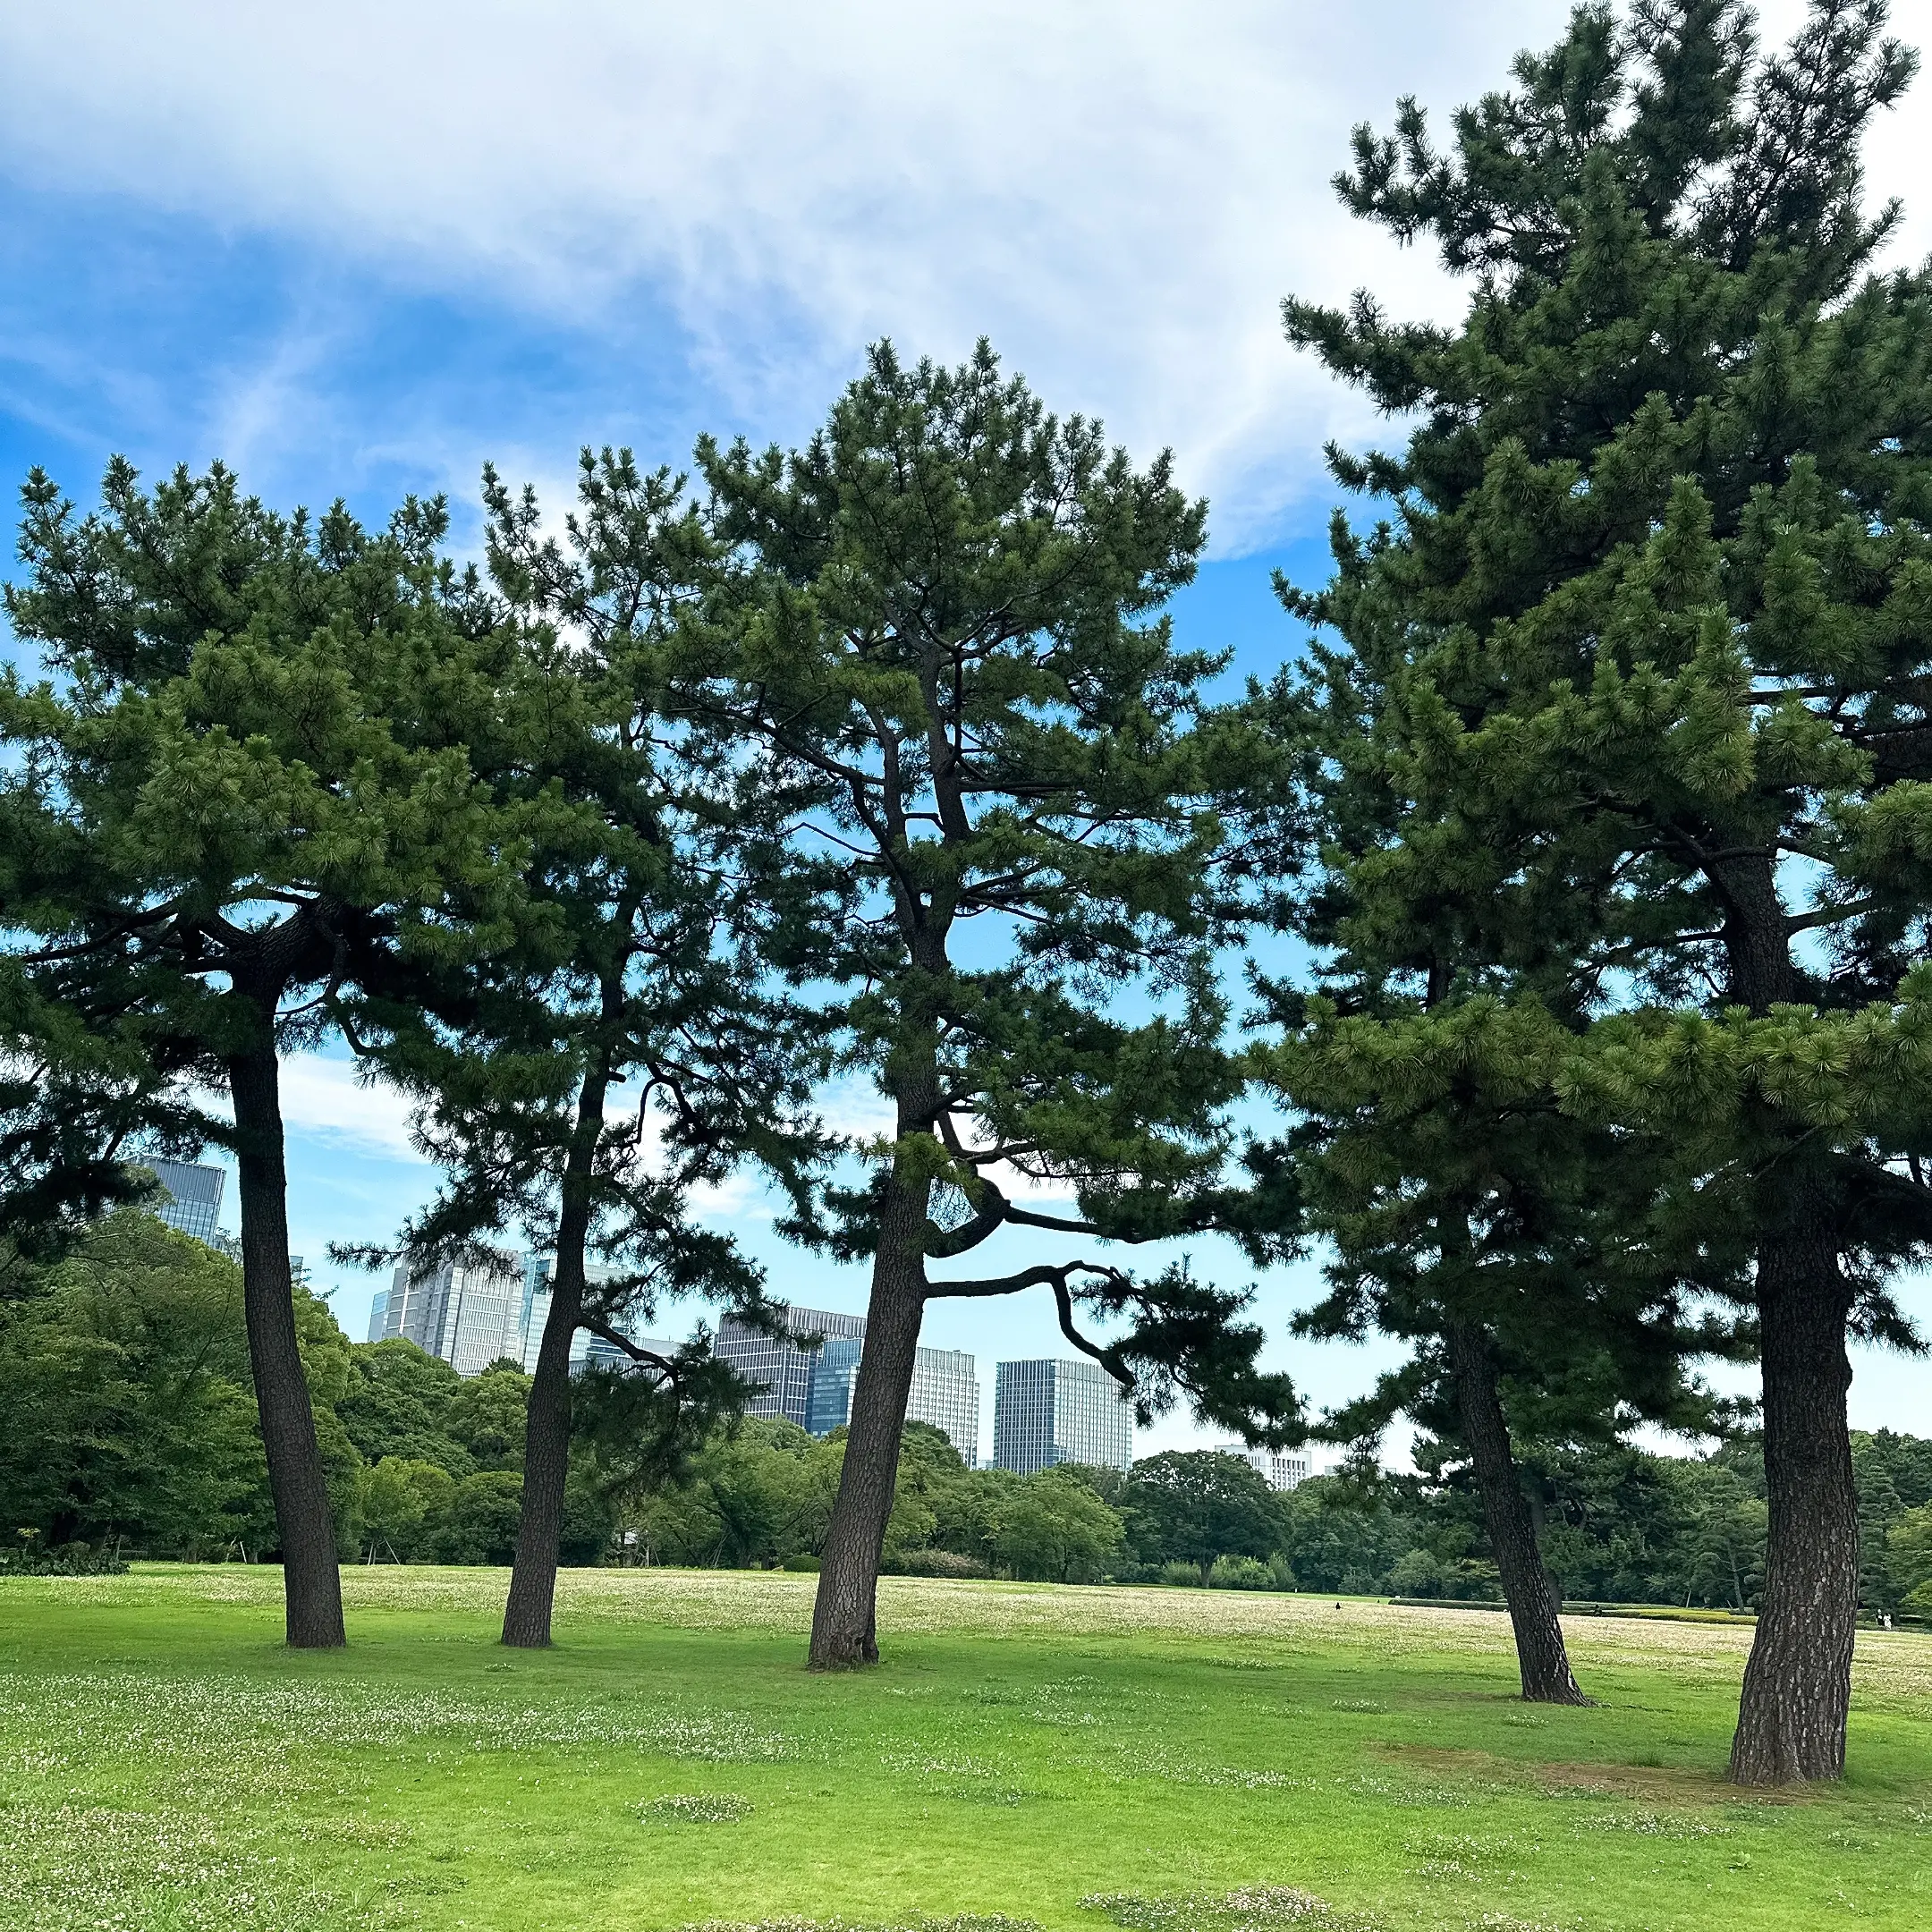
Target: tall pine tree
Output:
[
  {"x": 242, "y": 790},
  {"x": 630, "y": 958},
  {"x": 935, "y": 640},
  {"x": 1650, "y": 626}
]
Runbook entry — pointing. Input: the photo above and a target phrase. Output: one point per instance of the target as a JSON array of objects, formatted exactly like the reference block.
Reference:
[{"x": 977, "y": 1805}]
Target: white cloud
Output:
[
  {"x": 1119, "y": 194},
  {"x": 324, "y": 1097}
]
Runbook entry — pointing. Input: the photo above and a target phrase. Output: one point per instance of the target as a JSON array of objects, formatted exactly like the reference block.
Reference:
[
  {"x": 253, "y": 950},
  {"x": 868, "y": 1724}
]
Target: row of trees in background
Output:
[
  {"x": 1600, "y": 799},
  {"x": 127, "y": 1377}
]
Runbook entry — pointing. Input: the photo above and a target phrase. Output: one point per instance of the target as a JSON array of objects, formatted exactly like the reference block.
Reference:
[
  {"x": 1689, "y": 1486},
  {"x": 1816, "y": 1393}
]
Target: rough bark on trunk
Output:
[
  {"x": 548, "y": 1421},
  {"x": 845, "y": 1614},
  {"x": 1528, "y": 1587},
  {"x": 1798, "y": 1683},
  {"x": 311, "y": 1579}
]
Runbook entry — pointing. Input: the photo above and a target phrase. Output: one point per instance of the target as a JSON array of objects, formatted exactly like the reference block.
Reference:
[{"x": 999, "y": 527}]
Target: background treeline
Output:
[{"x": 132, "y": 1425}]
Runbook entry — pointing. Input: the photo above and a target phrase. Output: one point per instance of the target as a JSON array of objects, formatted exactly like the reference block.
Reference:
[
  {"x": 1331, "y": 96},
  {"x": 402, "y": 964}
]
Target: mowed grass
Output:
[{"x": 1021, "y": 1753}]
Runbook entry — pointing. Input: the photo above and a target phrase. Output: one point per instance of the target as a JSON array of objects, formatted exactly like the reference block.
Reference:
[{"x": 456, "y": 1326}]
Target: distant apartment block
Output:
[
  {"x": 191, "y": 1198},
  {"x": 467, "y": 1316},
  {"x": 1046, "y": 1413},
  {"x": 813, "y": 1386},
  {"x": 1279, "y": 1469}
]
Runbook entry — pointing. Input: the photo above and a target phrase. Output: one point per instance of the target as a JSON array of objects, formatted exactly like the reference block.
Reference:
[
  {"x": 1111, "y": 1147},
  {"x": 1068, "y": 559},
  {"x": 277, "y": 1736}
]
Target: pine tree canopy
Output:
[
  {"x": 245, "y": 776},
  {"x": 1633, "y": 694},
  {"x": 935, "y": 637}
]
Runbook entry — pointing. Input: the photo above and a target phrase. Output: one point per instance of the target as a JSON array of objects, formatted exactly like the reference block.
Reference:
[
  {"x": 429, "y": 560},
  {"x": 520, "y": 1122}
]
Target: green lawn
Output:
[{"x": 1023, "y": 1752}]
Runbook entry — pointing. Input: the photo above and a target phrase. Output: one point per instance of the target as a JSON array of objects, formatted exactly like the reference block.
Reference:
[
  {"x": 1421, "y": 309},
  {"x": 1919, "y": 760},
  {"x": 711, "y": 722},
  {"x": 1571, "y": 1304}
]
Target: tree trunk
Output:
[
  {"x": 1798, "y": 1683},
  {"x": 1527, "y": 1585},
  {"x": 845, "y": 1614},
  {"x": 547, "y": 1425},
  {"x": 311, "y": 1581}
]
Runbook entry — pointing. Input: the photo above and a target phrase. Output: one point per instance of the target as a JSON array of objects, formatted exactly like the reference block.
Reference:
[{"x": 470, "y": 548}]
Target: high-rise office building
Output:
[
  {"x": 828, "y": 1406},
  {"x": 468, "y": 1316},
  {"x": 813, "y": 1386},
  {"x": 586, "y": 1349},
  {"x": 1045, "y": 1412},
  {"x": 191, "y": 1196},
  {"x": 945, "y": 1393},
  {"x": 782, "y": 1364},
  {"x": 1279, "y": 1469},
  {"x": 378, "y": 1310}
]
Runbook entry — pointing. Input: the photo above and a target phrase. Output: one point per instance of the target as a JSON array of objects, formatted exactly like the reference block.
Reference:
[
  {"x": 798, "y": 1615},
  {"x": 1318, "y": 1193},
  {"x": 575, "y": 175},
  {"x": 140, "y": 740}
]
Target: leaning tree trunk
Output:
[
  {"x": 1528, "y": 1587},
  {"x": 548, "y": 1422},
  {"x": 844, "y": 1615},
  {"x": 1798, "y": 1683},
  {"x": 311, "y": 1579}
]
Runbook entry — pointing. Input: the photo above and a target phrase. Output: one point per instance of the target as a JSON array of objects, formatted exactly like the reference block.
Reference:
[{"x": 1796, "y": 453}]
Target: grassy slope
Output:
[{"x": 164, "y": 1763}]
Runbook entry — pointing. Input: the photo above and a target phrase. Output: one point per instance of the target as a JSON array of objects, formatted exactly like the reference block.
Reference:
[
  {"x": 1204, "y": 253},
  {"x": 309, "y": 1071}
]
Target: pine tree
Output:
[
  {"x": 1518, "y": 1251},
  {"x": 243, "y": 790},
  {"x": 1649, "y": 626},
  {"x": 632, "y": 959},
  {"x": 934, "y": 642}
]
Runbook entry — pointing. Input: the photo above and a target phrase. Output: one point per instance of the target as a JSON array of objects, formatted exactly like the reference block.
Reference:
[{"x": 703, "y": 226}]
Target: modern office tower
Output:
[
  {"x": 467, "y": 1316},
  {"x": 379, "y": 1309},
  {"x": 779, "y": 1364},
  {"x": 539, "y": 1271},
  {"x": 944, "y": 1391},
  {"x": 193, "y": 1197},
  {"x": 534, "y": 1312},
  {"x": 1045, "y": 1412},
  {"x": 1279, "y": 1469},
  {"x": 829, "y": 1403}
]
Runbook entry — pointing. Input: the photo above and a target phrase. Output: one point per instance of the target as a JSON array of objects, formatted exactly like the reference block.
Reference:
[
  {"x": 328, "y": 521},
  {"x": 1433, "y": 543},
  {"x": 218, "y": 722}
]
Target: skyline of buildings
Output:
[
  {"x": 1053, "y": 1410},
  {"x": 812, "y": 1385},
  {"x": 1047, "y": 1410}
]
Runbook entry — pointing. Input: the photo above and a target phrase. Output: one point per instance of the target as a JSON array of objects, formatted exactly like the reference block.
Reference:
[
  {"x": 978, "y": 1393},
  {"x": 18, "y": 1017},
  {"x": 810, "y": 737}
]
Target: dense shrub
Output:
[
  {"x": 28, "y": 1557},
  {"x": 930, "y": 1563},
  {"x": 1240, "y": 1572}
]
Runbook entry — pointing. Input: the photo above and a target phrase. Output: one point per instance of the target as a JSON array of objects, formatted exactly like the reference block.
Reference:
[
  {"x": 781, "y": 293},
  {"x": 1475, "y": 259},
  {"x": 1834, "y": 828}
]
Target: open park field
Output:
[{"x": 1075, "y": 1757}]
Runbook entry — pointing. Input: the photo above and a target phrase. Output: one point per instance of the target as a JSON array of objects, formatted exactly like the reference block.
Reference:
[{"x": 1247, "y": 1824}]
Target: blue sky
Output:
[{"x": 357, "y": 251}]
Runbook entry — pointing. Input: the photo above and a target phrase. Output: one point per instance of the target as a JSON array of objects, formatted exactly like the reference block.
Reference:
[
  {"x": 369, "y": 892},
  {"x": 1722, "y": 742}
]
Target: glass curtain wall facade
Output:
[
  {"x": 1046, "y": 1413},
  {"x": 467, "y": 1317},
  {"x": 945, "y": 1393},
  {"x": 781, "y": 1365},
  {"x": 813, "y": 1387},
  {"x": 192, "y": 1198},
  {"x": 587, "y": 1351}
]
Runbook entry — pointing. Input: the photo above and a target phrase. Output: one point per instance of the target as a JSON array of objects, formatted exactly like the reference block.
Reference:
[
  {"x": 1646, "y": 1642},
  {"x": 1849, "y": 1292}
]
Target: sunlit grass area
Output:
[{"x": 1161, "y": 1760}]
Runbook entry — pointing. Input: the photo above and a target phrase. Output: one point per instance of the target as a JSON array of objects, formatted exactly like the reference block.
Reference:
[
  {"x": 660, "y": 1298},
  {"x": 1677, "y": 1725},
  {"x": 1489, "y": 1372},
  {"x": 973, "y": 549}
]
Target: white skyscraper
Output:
[
  {"x": 1051, "y": 1411},
  {"x": 468, "y": 1316}
]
